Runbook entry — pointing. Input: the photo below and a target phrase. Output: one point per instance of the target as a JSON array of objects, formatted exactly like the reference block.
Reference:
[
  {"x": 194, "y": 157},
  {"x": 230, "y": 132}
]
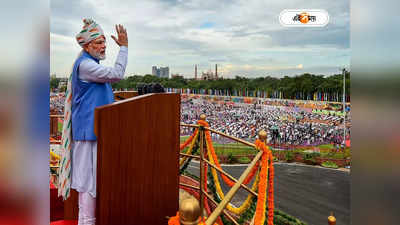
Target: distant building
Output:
[
  {"x": 176, "y": 75},
  {"x": 209, "y": 75},
  {"x": 164, "y": 72},
  {"x": 160, "y": 72},
  {"x": 154, "y": 71},
  {"x": 195, "y": 72},
  {"x": 63, "y": 82}
]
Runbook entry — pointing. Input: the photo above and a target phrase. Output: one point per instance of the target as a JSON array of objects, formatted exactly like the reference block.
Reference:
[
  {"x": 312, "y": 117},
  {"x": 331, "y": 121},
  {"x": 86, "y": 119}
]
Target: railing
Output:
[
  {"x": 54, "y": 160},
  {"x": 54, "y": 131},
  {"x": 203, "y": 162},
  {"x": 238, "y": 182}
]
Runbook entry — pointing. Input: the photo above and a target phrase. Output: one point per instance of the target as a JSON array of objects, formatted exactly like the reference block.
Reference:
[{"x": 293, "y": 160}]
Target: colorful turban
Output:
[{"x": 90, "y": 31}]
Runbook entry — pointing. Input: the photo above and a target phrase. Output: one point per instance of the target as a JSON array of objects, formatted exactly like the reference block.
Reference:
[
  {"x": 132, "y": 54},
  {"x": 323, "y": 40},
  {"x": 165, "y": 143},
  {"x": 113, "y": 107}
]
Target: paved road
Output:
[{"x": 305, "y": 192}]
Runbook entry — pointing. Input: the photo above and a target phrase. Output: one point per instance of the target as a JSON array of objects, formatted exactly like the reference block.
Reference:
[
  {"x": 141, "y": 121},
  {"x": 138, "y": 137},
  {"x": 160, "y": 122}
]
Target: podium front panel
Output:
[{"x": 137, "y": 160}]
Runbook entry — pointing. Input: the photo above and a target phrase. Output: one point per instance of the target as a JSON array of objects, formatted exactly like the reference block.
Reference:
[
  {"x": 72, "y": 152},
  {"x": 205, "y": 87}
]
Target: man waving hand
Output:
[{"x": 89, "y": 87}]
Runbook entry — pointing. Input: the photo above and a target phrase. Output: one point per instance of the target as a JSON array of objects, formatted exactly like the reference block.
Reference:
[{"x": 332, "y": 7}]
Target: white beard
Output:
[
  {"x": 98, "y": 56},
  {"x": 102, "y": 57}
]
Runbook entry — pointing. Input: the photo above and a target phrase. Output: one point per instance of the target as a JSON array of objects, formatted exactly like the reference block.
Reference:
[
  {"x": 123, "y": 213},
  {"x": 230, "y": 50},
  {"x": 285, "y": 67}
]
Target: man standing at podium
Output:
[{"x": 88, "y": 87}]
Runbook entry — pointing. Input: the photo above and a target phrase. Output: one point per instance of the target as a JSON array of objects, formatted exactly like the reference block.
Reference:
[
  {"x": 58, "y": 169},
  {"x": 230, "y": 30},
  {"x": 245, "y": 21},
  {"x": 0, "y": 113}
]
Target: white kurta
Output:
[{"x": 84, "y": 153}]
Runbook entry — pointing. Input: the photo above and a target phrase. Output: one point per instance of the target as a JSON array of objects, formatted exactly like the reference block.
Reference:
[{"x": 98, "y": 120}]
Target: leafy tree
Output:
[
  {"x": 301, "y": 86},
  {"x": 54, "y": 81}
]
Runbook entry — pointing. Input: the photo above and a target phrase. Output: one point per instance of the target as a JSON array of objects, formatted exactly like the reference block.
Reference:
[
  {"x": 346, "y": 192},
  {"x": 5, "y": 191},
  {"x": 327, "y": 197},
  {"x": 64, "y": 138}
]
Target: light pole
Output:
[{"x": 344, "y": 106}]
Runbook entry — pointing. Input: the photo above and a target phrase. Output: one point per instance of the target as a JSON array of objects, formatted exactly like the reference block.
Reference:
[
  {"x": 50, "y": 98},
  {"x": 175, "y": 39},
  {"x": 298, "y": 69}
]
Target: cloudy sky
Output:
[{"x": 244, "y": 37}]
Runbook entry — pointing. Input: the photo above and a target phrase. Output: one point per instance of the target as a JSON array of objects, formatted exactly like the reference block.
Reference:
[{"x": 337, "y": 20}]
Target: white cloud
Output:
[
  {"x": 228, "y": 70},
  {"x": 244, "y": 34}
]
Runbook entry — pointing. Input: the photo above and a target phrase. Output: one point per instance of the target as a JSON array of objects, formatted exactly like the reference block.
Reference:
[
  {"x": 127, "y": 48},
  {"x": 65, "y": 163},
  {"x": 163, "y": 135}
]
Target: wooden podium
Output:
[
  {"x": 120, "y": 95},
  {"x": 137, "y": 160}
]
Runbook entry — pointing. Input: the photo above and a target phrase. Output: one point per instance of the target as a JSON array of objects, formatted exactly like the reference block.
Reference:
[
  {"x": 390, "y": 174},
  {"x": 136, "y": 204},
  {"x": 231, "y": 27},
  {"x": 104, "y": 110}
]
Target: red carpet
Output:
[
  {"x": 15, "y": 220},
  {"x": 56, "y": 205},
  {"x": 65, "y": 222}
]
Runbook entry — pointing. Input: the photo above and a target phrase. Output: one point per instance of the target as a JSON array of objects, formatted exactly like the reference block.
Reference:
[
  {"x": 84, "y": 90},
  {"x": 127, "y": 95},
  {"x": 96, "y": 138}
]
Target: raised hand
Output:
[{"x": 122, "y": 36}]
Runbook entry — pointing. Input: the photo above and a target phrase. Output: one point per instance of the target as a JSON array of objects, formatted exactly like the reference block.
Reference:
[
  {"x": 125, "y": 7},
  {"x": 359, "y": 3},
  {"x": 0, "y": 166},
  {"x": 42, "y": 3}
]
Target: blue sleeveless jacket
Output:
[{"x": 85, "y": 98}]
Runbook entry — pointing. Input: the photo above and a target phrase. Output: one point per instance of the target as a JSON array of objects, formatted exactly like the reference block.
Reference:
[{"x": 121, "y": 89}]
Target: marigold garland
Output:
[
  {"x": 262, "y": 187},
  {"x": 226, "y": 179},
  {"x": 174, "y": 220},
  {"x": 266, "y": 169},
  {"x": 245, "y": 216},
  {"x": 271, "y": 190},
  {"x": 187, "y": 162},
  {"x": 208, "y": 209},
  {"x": 182, "y": 146},
  {"x": 265, "y": 185},
  {"x": 246, "y": 204},
  {"x": 206, "y": 205},
  {"x": 54, "y": 156},
  {"x": 190, "y": 149}
]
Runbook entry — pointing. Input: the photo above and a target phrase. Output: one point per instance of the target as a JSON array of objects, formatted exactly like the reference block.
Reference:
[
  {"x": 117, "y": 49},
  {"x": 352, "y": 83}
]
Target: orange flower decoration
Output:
[
  {"x": 226, "y": 179},
  {"x": 174, "y": 220},
  {"x": 267, "y": 168},
  {"x": 186, "y": 143}
]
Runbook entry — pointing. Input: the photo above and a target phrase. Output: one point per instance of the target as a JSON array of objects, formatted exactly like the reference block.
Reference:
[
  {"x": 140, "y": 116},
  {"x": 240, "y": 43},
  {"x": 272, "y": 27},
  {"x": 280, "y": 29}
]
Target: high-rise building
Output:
[
  {"x": 160, "y": 72},
  {"x": 154, "y": 71},
  {"x": 164, "y": 72},
  {"x": 216, "y": 72}
]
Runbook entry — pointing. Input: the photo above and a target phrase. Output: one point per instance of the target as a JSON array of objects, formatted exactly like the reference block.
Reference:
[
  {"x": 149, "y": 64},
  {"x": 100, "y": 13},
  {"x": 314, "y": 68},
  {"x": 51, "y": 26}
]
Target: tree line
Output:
[{"x": 297, "y": 87}]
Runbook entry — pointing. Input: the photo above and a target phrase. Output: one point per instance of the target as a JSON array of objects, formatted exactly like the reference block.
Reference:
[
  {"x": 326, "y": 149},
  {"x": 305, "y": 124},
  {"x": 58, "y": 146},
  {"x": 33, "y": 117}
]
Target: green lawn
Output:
[
  {"x": 183, "y": 138},
  {"x": 226, "y": 149},
  {"x": 241, "y": 149},
  {"x": 235, "y": 150},
  {"x": 326, "y": 147}
]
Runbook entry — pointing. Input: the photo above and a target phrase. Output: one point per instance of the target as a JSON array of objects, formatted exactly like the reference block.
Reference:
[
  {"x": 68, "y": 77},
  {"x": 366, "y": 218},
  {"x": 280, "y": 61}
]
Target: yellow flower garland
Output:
[
  {"x": 54, "y": 156},
  {"x": 189, "y": 150},
  {"x": 246, "y": 204},
  {"x": 186, "y": 143}
]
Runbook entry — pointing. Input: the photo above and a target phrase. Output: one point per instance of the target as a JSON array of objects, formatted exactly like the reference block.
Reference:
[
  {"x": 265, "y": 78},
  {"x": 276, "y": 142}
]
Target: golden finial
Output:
[
  {"x": 203, "y": 117},
  {"x": 189, "y": 212},
  {"x": 262, "y": 135},
  {"x": 331, "y": 219}
]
